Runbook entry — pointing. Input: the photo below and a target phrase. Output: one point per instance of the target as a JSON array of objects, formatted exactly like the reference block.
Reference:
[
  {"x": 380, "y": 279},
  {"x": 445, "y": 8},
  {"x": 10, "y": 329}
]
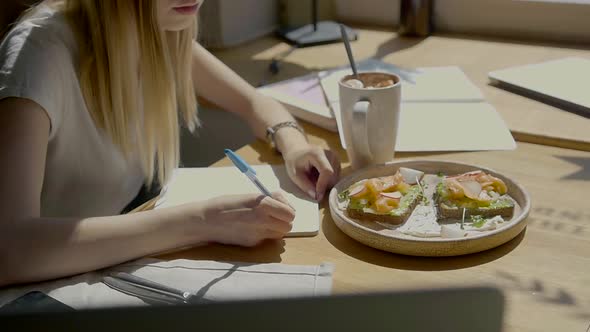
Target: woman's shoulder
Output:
[
  {"x": 42, "y": 33},
  {"x": 37, "y": 61}
]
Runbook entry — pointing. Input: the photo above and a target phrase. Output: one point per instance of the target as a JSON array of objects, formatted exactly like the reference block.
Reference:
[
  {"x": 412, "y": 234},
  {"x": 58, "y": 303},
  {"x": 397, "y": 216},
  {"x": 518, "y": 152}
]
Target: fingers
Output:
[
  {"x": 279, "y": 196},
  {"x": 304, "y": 183},
  {"x": 231, "y": 202},
  {"x": 272, "y": 224},
  {"x": 248, "y": 219},
  {"x": 277, "y": 209},
  {"x": 335, "y": 163},
  {"x": 327, "y": 173},
  {"x": 279, "y": 226}
]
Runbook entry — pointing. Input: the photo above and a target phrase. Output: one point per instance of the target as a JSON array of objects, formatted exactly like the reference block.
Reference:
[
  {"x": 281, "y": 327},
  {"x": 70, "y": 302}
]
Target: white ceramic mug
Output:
[{"x": 370, "y": 119}]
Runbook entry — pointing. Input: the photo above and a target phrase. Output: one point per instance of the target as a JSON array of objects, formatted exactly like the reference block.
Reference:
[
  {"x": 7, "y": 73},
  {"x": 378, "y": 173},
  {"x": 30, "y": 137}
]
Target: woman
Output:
[{"x": 90, "y": 97}]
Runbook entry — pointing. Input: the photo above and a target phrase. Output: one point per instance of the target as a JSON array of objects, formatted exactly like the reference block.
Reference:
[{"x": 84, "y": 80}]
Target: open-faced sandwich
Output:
[
  {"x": 430, "y": 205},
  {"x": 389, "y": 199},
  {"x": 476, "y": 193}
]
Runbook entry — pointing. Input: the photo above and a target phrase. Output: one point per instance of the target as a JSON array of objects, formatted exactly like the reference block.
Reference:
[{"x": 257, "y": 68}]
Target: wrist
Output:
[
  {"x": 289, "y": 139},
  {"x": 207, "y": 222},
  {"x": 191, "y": 223}
]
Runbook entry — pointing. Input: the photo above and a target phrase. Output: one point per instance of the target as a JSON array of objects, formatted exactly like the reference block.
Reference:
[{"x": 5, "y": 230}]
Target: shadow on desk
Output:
[
  {"x": 583, "y": 173},
  {"x": 396, "y": 44},
  {"x": 543, "y": 292},
  {"x": 267, "y": 252},
  {"x": 355, "y": 249}
]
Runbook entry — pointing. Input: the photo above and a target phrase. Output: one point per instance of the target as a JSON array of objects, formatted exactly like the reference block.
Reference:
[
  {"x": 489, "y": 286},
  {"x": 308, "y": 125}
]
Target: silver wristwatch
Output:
[{"x": 271, "y": 131}]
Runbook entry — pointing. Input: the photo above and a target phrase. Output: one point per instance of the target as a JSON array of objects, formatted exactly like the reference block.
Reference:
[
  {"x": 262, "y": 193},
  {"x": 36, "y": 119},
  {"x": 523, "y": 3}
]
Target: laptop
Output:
[{"x": 462, "y": 309}]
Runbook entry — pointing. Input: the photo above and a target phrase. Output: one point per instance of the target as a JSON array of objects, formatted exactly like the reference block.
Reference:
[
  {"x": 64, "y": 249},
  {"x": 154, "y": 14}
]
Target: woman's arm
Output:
[
  {"x": 33, "y": 248},
  {"x": 218, "y": 84}
]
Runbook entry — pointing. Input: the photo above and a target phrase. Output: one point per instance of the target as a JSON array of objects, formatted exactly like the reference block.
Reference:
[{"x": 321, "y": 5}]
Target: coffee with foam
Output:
[{"x": 370, "y": 81}]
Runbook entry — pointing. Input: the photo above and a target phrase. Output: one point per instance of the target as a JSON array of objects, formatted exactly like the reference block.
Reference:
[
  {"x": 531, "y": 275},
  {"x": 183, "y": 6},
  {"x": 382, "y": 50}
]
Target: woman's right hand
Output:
[{"x": 247, "y": 220}]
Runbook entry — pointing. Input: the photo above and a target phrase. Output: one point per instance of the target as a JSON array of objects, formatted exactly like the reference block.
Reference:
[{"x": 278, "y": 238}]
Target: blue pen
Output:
[{"x": 246, "y": 169}]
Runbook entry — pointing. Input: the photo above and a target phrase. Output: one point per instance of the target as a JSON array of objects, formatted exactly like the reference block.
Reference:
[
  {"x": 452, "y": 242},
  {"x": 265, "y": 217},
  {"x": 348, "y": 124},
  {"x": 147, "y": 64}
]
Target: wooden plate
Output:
[{"x": 377, "y": 236}]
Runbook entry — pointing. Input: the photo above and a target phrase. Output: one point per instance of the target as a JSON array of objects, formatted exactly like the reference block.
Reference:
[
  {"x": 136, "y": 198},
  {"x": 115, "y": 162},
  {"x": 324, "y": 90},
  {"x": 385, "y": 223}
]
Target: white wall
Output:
[
  {"x": 373, "y": 12},
  {"x": 515, "y": 18},
  {"x": 557, "y": 20},
  {"x": 225, "y": 23},
  {"x": 243, "y": 20}
]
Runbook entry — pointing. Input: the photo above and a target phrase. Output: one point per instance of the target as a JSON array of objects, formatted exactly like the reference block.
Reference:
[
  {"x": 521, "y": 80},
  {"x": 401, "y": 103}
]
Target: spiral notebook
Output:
[{"x": 197, "y": 184}]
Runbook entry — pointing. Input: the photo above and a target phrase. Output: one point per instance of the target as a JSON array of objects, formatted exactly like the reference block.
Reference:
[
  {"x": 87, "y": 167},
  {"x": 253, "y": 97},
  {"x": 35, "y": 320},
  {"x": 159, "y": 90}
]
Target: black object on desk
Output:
[
  {"x": 316, "y": 33},
  {"x": 468, "y": 309},
  {"x": 34, "y": 302}
]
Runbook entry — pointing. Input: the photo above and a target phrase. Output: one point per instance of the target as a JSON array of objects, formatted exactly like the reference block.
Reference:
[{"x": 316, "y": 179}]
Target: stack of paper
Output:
[
  {"x": 442, "y": 110},
  {"x": 198, "y": 184}
]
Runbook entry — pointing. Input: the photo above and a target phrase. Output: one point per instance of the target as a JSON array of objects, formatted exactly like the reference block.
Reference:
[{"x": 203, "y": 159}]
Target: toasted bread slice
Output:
[
  {"x": 396, "y": 217},
  {"x": 475, "y": 192},
  {"x": 447, "y": 211}
]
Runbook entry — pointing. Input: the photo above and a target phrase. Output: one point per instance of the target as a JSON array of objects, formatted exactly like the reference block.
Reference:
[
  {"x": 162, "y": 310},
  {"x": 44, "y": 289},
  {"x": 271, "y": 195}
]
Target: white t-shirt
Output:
[{"x": 85, "y": 173}]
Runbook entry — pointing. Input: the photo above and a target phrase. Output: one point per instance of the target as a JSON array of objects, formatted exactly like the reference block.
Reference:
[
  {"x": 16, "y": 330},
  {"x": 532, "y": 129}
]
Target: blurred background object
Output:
[
  {"x": 540, "y": 20},
  {"x": 416, "y": 18},
  {"x": 314, "y": 31},
  {"x": 384, "y": 13},
  {"x": 226, "y": 23},
  {"x": 562, "y": 21},
  {"x": 294, "y": 13}
]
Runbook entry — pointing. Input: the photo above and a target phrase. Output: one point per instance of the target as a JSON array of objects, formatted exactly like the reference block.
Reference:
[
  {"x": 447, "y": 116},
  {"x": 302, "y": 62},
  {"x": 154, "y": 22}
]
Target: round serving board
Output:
[{"x": 375, "y": 235}]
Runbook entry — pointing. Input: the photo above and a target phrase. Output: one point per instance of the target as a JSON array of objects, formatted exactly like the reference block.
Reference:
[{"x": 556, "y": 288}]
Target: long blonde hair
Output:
[{"x": 134, "y": 78}]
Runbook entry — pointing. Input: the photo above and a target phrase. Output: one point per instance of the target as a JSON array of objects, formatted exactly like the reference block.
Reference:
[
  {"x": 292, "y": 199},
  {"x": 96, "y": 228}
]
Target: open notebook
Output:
[
  {"x": 195, "y": 184},
  {"x": 563, "y": 83}
]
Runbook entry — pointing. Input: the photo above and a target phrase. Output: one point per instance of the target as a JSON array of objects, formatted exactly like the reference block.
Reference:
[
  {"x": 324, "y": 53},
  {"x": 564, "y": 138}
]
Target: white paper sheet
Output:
[
  {"x": 195, "y": 184},
  {"x": 214, "y": 281}
]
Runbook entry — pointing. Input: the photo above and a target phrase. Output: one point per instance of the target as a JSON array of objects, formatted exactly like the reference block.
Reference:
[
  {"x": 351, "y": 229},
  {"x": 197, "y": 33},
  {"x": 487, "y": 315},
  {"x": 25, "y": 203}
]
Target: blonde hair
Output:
[{"x": 134, "y": 78}]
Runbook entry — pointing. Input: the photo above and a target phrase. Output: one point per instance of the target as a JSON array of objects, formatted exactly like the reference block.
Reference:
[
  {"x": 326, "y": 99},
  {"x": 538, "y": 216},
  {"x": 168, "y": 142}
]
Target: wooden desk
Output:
[
  {"x": 544, "y": 272},
  {"x": 529, "y": 120}
]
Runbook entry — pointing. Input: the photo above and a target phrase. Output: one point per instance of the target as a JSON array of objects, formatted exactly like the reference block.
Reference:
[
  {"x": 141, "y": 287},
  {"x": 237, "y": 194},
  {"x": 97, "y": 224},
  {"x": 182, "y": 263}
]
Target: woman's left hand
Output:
[{"x": 313, "y": 169}]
